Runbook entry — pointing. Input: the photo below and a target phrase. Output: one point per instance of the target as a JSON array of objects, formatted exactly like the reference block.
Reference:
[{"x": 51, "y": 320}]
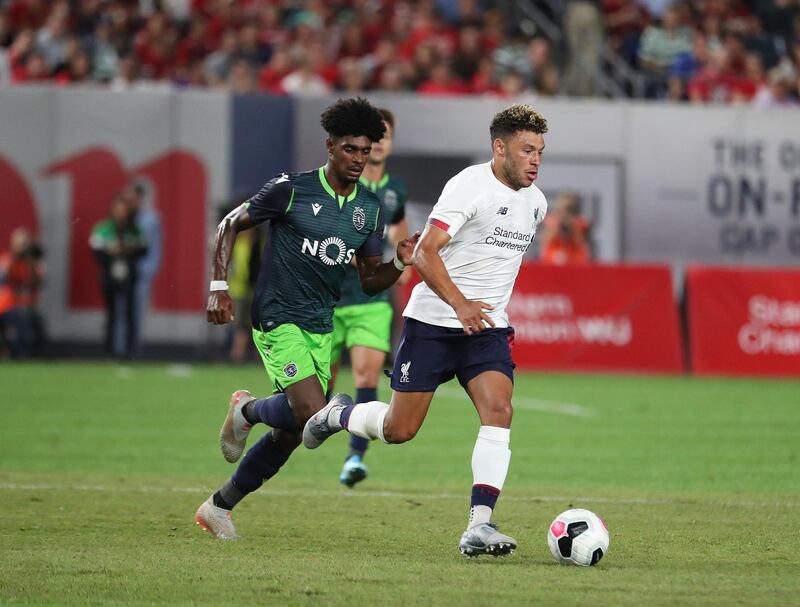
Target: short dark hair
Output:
[
  {"x": 388, "y": 117},
  {"x": 518, "y": 117},
  {"x": 354, "y": 117}
]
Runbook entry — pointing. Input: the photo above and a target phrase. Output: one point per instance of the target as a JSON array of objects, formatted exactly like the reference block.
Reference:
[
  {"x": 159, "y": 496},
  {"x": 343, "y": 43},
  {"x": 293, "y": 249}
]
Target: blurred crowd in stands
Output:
[{"x": 697, "y": 50}]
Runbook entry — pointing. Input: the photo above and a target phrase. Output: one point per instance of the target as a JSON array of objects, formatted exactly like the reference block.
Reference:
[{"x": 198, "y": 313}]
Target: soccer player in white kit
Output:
[{"x": 456, "y": 323}]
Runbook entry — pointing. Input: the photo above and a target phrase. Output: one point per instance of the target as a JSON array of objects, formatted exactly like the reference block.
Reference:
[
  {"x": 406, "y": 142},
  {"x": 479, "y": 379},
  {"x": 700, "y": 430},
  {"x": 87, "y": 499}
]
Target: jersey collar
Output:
[
  {"x": 340, "y": 199},
  {"x": 374, "y": 186}
]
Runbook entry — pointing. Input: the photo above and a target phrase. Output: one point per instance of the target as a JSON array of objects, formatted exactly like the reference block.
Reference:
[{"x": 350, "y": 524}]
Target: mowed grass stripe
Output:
[{"x": 367, "y": 493}]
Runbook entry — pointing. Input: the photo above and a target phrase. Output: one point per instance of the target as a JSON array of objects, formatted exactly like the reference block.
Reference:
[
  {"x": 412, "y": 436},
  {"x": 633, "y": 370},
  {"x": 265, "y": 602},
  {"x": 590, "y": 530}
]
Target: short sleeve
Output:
[
  {"x": 373, "y": 245},
  {"x": 398, "y": 216},
  {"x": 457, "y": 204},
  {"x": 400, "y": 211},
  {"x": 272, "y": 200}
]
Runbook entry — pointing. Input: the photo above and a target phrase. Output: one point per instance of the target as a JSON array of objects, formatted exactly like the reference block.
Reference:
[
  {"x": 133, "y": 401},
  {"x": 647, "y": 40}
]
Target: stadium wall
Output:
[
  {"x": 664, "y": 183},
  {"x": 676, "y": 185},
  {"x": 65, "y": 152}
]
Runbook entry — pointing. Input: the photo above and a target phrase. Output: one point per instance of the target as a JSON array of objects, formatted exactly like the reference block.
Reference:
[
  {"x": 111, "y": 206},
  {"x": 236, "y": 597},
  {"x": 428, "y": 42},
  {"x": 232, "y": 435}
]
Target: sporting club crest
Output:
[
  {"x": 359, "y": 218},
  {"x": 390, "y": 199},
  {"x": 290, "y": 370}
]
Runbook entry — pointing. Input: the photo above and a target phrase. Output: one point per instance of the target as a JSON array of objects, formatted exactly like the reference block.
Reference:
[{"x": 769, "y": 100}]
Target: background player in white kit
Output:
[{"x": 456, "y": 323}]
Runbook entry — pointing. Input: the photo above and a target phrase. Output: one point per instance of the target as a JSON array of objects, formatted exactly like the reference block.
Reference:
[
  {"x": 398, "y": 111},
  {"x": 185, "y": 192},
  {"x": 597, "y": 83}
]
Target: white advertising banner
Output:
[
  {"x": 714, "y": 185},
  {"x": 64, "y": 153},
  {"x": 673, "y": 183}
]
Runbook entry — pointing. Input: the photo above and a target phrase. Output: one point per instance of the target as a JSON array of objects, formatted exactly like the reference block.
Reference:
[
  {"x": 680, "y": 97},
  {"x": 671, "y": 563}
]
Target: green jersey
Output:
[
  {"x": 393, "y": 194},
  {"x": 314, "y": 233}
]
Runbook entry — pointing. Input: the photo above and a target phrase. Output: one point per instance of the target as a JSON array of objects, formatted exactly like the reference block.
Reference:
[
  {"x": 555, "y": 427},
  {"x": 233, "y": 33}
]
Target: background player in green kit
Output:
[
  {"x": 363, "y": 323},
  {"x": 319, "y": 221}
]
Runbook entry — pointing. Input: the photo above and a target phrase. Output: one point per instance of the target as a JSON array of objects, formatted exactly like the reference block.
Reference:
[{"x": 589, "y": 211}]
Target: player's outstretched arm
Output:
[
  {"x": 431, "y": 269},
  {"x": 219, "y": 309},
  {"x": 376, "y": 276}
]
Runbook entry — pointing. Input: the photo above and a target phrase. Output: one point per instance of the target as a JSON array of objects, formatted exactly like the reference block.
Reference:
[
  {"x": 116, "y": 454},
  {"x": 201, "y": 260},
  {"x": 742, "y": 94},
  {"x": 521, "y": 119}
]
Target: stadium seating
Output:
[{"x": 700, "y": 51}]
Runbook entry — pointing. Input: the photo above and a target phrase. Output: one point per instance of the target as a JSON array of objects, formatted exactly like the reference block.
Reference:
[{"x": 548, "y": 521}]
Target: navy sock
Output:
[
  {"x": 359, "y": 444},
  {"x": 344, "y": 416},
  {"x": 228, "y": 496},
  {"x": 219, "y": 502},
  {"x": 273, "y": 410},
  {"x": 366, "y": 395},
  {"x": 484, "y": 495},
  {"x": 261, "y": 463}
]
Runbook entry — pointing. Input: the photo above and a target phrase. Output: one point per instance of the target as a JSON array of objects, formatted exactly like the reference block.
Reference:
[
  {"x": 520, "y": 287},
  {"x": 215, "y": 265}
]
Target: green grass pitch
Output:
[{"x": 102, "y": 467}]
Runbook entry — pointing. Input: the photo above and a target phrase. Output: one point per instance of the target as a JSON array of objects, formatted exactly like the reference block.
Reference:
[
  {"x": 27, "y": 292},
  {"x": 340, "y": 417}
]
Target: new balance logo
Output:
[
  {"x": 502, "y": 211},
  {"x": 316, "y": 208},
  {"x": 404, "y": 369}
]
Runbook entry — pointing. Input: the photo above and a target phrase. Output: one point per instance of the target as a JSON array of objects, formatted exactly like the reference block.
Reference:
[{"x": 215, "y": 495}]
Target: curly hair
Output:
[
  {"x": 518, "y": 117},
  {"x": 354, "y": 117}
]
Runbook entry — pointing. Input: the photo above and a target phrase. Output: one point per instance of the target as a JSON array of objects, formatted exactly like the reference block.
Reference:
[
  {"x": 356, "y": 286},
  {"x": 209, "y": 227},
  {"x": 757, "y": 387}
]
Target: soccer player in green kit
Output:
[
  {"x": 363, "y": 323},
  {"x": 319, "y": 221}
]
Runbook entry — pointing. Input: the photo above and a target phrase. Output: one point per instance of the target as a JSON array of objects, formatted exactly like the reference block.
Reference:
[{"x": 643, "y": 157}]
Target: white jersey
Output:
[{"x": 491, "y": 226}]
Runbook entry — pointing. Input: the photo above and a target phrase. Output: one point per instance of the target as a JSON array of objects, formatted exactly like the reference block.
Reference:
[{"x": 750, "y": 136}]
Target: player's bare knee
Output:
[
  {"x": 368, "y": 378},
  {"x": 498, "y": 413},
  {"x": 396, "y": 435}
]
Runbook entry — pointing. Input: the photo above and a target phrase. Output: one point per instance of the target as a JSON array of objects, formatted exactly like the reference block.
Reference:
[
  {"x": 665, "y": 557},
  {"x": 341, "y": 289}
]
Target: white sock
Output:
[
  {"x": 366, "y": 420},
  {"x": 490, "y": 459}
]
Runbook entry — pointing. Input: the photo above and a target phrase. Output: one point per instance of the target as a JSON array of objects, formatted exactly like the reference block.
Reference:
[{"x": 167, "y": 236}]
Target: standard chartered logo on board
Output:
[{"x": 772, "y": 327}]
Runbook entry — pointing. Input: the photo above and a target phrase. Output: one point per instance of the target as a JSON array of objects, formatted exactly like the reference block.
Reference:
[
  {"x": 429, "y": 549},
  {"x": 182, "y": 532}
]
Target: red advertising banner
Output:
[
  {"x": 595, "y": 318},
  {"x": 744, "y": 322}
]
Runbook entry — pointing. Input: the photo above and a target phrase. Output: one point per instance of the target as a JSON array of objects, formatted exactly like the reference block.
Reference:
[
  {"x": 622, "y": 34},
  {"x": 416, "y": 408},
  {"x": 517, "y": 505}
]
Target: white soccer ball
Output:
[{"x": 578, "y": 537}]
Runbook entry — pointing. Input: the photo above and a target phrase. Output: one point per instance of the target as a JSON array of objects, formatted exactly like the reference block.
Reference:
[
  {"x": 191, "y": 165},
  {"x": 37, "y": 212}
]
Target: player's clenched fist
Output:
[
  {"x": 219, "y": 309},
  {"x": 405, "y": 248}
]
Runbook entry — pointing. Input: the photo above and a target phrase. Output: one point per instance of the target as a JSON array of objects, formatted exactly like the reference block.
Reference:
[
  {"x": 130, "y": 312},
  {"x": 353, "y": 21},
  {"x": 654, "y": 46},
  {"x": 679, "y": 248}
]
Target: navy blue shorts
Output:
[{"x": 429, "y": 356}]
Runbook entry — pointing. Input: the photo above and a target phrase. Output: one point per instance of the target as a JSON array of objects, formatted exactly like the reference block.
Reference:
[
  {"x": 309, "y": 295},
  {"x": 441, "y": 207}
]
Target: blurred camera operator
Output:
[
  {"x": 565, "y": 233},
  {"x": 21, "y": 276}
]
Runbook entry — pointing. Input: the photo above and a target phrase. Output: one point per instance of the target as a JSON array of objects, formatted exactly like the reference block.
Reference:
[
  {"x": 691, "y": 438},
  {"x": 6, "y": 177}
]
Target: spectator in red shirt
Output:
[
  {"x": 718, "y": 83},
  {"x": 352, "y": 42},
  {"x": 77, "y": 70},
  {"x": 484, "y": 81},
  {"x": 279, "y": 66},
  {"x": 196, "y": 45},
  {"x": 442, "y": 81},
  {"x": 155, "y": 46},
  {"x": 33, "y": 69},
  {"x": 27, "y": 13}
]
